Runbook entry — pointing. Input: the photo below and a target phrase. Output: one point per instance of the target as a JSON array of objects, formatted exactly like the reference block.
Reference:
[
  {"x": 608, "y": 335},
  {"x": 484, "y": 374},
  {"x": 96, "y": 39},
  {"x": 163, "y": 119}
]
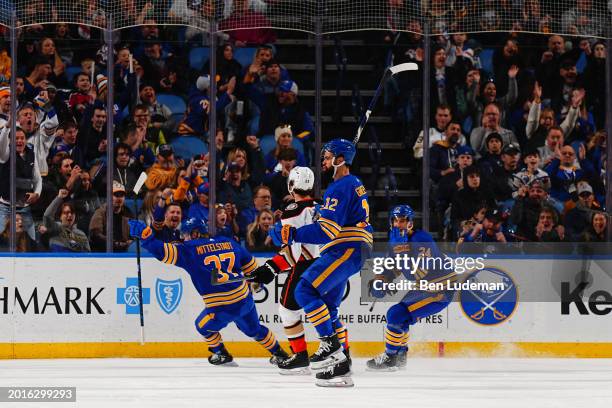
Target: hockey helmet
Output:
[{"x": 301, "y": 178}]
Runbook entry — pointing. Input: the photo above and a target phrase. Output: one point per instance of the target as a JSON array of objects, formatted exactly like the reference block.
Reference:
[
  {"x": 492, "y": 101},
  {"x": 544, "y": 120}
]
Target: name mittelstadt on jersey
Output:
[{"x": 69, "y": 300}]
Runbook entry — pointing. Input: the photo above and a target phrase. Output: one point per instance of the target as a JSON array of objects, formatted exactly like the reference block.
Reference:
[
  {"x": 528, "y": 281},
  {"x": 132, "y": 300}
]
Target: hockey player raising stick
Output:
[
  {"x": 345, "y": 236},
  {"x": 416, "y": 304},
  {"x": 230, "y": 302},
  {"x": 296, "y": 258}
]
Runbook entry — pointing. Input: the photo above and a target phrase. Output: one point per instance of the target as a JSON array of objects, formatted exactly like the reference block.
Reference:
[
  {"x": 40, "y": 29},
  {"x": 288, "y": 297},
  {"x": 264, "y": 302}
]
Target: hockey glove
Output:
[
  {"x": 139, "y": 229},
  {"x": 282, "y": 234},
  {"x": 398, "y": 235},
  {"x": 265, "y": 273},
  {"x": 376, "y": 289}
]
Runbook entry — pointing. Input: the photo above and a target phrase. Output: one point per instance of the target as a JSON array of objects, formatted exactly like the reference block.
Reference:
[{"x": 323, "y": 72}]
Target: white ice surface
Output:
[{"x": 439, "y": 383}]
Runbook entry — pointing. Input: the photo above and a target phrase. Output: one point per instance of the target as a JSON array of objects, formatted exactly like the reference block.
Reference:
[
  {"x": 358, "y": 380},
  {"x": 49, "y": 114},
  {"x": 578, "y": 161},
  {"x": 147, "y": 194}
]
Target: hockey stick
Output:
[
  {"x": 389, "y": 72},
  {"x": 137, "y": 187}
]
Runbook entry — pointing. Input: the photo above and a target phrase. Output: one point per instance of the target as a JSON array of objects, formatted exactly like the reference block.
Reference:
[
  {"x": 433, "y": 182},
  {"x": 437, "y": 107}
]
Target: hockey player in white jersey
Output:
[{"x": 296, "y": 258}]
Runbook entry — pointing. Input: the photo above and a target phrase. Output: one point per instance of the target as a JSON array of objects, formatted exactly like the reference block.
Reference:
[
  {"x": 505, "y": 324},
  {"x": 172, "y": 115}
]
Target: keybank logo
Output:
[
  {"x": 599, "y": 302},
  {"x": 128, "y": 296}
]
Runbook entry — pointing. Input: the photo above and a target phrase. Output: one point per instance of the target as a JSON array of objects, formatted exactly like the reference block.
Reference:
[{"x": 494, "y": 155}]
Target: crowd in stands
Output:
[{"x": 517, "y": 147}]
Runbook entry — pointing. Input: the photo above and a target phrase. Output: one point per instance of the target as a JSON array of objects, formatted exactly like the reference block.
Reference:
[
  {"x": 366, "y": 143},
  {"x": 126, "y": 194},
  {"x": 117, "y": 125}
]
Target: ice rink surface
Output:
[{"x": 439, "y": 383}]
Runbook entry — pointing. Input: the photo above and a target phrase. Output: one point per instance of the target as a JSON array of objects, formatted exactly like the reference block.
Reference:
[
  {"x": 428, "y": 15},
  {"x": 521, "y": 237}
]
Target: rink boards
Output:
[{"x": 52, "y": 307}]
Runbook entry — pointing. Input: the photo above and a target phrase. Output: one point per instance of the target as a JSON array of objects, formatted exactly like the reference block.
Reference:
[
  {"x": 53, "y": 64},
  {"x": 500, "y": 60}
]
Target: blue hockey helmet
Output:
[
  {"x": 341, "y": 147},
  {"x": 401, "y": 211},
  {"x": 192, "y": 225}
]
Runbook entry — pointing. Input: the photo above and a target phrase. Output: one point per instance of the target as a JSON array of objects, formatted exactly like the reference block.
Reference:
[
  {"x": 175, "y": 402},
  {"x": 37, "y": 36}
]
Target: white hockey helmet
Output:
[{"x": 301, "y": 178}]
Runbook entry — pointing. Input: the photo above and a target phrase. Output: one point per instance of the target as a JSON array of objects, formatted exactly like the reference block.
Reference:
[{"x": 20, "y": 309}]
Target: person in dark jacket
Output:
[
  {"x": 125, "y": 171},
  {"x": 598, "y": 229},
  {"x": 443, "y": 153},
  {"x": 473, "y": 194},
  {"x": 526, "y": 210}
]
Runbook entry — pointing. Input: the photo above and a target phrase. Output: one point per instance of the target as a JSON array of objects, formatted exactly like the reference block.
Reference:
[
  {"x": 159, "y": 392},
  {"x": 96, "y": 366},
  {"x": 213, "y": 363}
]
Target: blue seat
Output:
[
  {"x": 72, "y": 71},
  {"x": 175, "y": 103},
  {"x": 244, "y": 55},
  {"x": 486, "y": 60},
  {"x": 188, "y": 146},
  {"x": 267, "y": 144},
  {"x": 197, "y": 57}
]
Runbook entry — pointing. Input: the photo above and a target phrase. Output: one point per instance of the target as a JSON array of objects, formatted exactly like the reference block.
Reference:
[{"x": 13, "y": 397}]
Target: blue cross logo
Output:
[{"x": 128, "y": 296}]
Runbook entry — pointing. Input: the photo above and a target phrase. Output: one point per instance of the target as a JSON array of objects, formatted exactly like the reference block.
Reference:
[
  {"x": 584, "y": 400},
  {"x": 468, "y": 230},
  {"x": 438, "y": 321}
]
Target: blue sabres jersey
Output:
[
  {"x": 203, "y": 257},
  {"x": 345, "y": 214},
  {"x": 420, "y": 244}
]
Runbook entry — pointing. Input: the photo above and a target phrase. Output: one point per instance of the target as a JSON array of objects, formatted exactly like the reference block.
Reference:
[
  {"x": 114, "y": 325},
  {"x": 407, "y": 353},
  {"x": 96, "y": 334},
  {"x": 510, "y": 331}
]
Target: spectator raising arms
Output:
[{"x": 64, "y": 236}]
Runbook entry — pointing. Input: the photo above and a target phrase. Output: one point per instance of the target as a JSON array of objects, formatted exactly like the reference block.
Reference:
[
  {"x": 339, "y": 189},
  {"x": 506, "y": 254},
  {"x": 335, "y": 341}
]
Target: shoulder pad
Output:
[{"x": 295, "y": 209}]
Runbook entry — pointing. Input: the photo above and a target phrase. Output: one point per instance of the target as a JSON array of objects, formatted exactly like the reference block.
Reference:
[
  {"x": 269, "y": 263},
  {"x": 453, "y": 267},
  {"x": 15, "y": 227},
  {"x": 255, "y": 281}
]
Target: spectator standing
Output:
[{"x": 121, "y": 231}]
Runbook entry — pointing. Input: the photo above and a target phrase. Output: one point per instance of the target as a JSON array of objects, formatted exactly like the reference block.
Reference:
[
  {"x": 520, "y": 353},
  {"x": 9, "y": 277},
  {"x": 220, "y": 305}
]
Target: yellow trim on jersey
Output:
[
  {"x": 206, "y": 319},
  {"x": 425, "y": 302},
  {"x": 327, "y": 231},
  {"x": 249, "y": 267},
  {"x": 331, "y": 225},
  {"x": 394, "y": 335},
  {"x": 227, "y": 298},
  {"x": 214, "y": 341},
  {"x": 332, "y": 267},
  {"x": 170, "y": 254},
  {"x": 316, "y": 311},
  {"x": 343, "y": 240}
]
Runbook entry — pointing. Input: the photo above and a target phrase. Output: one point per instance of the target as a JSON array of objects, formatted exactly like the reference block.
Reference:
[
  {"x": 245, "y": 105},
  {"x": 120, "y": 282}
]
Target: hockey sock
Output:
[
  {"x": 316, "y": 310},
  {"x": 214, "y": 341},
  {"x": 267, "y": 339},
  {"x": 342, "y": 334},
  {"x": 318, "y": 314},
  {"x": 405, "y": 341},
  {"x": 295, "y": 334},
  {"x": 394, "y": 340}
]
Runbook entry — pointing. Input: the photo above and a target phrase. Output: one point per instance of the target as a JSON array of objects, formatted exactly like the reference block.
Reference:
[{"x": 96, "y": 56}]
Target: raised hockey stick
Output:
[
  {"x": 139, "y": 183},
  {"x": 389, "y": 72}
]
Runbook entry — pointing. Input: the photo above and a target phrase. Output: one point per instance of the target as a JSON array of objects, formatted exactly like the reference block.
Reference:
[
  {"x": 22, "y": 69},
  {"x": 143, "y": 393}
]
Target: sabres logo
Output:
[{"x": 489, "y": 307}]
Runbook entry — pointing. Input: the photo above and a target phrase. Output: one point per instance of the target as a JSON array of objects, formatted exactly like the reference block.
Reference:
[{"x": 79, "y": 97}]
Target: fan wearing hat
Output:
[
  {"x": 286, "y": 108},
  {"x": 235, "y": 190},
  {"x": 503, "y": 176},
  {"x": 527, "y": 208},
  {"x": 199, "y": 208},
  {"x": 121, "y": 230},
  {"x": 164, "y": 171},
  {"x": 453, "y": 181},
  {"x": 578, "y": 218},
  {"x": 5, "y": 104},
  {"x": 283, "y": 135}
]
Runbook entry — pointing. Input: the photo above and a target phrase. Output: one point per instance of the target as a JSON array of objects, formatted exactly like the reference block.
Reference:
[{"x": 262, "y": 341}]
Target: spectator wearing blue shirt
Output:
[
  {"x": 199, "y": 209},
  {"x": 262, "y": 200}
]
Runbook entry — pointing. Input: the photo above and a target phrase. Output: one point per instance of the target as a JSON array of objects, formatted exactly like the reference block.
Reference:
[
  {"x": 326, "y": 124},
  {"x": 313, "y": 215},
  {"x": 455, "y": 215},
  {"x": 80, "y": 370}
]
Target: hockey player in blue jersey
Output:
[
  {"x": 416, "y": 304},
  {"x": 228, "y": 302},
  {"x": 344, "y": 234}
]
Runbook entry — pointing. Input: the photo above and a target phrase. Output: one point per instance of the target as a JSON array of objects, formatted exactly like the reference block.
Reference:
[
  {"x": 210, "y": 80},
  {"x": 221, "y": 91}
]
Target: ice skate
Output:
[
  {"x": 383, "y": 362},
  {"x": 402, "y": 359},
  {"x": 297, "y": 364},
  {"x": 278, "y": 357},
  {"x": 337, "y": 375},
  {"x": 330, "y": 352},
  {"x": 222, "y": 358}
]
